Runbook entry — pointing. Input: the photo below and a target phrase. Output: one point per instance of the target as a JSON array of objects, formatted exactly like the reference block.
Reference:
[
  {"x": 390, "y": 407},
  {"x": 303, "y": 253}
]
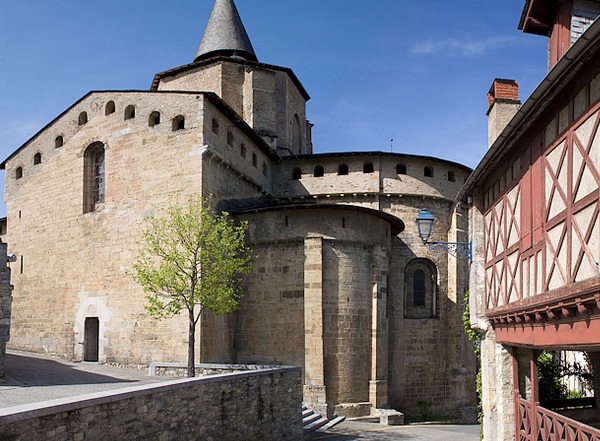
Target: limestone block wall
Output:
[
  {"x": 334, "y": 284},
  {"x": 5, "y": 307},
  {"x": 430, "y": 358},
  {"x": 72, "y": 265},
  {"x": 390, "y": 174},
  {"x": 270, "y": 322},
  {"x": 262, "y": 405},
  {"x": 265, "y": 96},
  {"x": 347, "y": 320}
]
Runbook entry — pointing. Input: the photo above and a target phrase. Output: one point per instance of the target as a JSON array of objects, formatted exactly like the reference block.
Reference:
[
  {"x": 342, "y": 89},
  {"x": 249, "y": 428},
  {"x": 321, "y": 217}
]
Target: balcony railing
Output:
[{"x": 541, "y": 424}]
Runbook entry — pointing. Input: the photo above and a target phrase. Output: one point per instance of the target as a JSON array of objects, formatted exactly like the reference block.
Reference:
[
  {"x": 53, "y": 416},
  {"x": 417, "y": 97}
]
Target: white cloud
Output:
[{"x": 455, "y": 47}]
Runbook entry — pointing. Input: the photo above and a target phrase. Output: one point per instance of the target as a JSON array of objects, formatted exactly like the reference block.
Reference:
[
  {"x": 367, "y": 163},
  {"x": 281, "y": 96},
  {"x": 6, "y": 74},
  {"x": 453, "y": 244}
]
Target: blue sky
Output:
[{"x": 417, "y": 71}]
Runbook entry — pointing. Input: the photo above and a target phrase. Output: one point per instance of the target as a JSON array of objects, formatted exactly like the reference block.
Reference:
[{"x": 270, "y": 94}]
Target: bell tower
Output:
[{"x": 269, "y": 98}]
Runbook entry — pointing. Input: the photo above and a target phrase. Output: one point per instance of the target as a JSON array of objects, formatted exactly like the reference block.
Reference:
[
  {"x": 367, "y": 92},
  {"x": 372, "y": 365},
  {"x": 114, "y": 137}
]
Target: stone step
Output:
[
  {"x": 315, "y": 425},
  {"x": 309, "y": 419},
  {"x": 306, "y": 412},
  {"x": 333, "y": 422}
]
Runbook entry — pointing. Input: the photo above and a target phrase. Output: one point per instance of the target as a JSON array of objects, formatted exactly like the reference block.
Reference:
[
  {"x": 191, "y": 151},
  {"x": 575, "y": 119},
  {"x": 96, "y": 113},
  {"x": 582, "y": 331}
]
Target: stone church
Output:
[{"x": 341, "y": 284}]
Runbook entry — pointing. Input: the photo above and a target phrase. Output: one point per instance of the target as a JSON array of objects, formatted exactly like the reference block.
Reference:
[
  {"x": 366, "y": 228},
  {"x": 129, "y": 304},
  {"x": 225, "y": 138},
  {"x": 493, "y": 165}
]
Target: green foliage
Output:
[
  {"x": 551, "y": 374},
  {"x": 425, "y": 409},
  {"x": 473, "y": 336},
  {"x": 191, "y": 259}
]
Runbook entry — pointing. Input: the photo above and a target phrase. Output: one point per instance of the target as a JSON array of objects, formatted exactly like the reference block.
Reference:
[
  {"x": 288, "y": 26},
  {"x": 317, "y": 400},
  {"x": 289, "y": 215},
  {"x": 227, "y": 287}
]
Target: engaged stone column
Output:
[
  {"x": 378, "y": 386},
  {"x": 314, "y": 373},
  {"x": 5, "y": 304}
]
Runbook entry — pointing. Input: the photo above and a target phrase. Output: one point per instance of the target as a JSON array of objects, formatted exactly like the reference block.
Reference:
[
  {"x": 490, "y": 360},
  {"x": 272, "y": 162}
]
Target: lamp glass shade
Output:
[{"x": 425, "y": 224}]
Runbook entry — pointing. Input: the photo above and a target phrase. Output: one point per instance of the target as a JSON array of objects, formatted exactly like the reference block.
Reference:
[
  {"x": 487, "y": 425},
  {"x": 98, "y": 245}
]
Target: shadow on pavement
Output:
[{"x": 33, "y": 371}]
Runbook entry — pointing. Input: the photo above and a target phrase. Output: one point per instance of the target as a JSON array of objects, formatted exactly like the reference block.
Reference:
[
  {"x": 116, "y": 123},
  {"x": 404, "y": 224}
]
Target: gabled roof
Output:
[
  {"x": 225, "y": 34},
  {"x": 559, "y": 78},
  {"x": 210, "y": 96}
]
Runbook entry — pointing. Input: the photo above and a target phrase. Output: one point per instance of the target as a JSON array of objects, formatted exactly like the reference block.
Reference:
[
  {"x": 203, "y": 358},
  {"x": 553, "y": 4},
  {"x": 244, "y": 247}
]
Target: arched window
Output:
[
  {"x": 59, "y": 141},
  {"x": 342, "y": 169},
  {"x": 154, "y": 119},
  {"x": 83, "y": 118},
  {"x": 129, "y": 112},
  {"x": 400, "y": 169},
  {"x": 18, "y": 172},
  {"x": 420, "y": 289},
  {"x": 37, "y": 158},
  {"x": 296, "y": 173},
  {"x": 428, "y": 172},
  {"x": 110, "y": 108},
  {"x": 368, "y": 167},
  {"x": 93, "y": 176},
  {"x": 319, "y": 172},
  {"x": 451, "y": 176},
  {"x": 178, "y": 123},
  {"x": 296, "y": 135}
]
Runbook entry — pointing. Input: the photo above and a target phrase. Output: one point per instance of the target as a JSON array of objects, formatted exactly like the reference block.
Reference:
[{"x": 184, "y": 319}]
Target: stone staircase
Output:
[{"x": 313, "y": 422}]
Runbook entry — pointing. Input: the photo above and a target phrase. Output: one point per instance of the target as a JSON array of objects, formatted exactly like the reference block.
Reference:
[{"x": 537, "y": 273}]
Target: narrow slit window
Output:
[{"x": 94, "y": 177}]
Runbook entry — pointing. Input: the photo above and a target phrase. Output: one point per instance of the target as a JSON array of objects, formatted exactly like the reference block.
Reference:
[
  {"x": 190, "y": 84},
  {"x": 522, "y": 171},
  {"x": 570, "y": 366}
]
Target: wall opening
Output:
[{"x": 91, "y": 339}]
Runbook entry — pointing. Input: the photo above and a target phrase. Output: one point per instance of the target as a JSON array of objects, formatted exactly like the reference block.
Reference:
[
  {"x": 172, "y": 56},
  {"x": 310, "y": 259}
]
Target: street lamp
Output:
[{"x": 425, "y": 222}]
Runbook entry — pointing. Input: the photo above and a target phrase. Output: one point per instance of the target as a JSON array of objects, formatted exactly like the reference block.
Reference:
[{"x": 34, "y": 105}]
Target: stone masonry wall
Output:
[
  {"x": 5, "y": 307},
  {"x": 72, "y": 265},
  {"x": 263, "y": 405}
]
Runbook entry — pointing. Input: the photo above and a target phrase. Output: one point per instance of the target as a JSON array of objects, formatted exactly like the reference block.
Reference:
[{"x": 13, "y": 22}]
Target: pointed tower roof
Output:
[{"x": 225, "y": 34}]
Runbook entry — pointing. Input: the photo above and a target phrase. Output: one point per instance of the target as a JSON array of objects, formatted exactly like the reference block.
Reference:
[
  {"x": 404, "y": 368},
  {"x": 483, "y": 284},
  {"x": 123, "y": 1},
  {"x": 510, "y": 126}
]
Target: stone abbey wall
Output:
[
  {"x": 264, "y": 404},
  {"x": 87, "y": 272},
  {"x": 5, "y": 307},
  {"x": 334, "y": 238}
]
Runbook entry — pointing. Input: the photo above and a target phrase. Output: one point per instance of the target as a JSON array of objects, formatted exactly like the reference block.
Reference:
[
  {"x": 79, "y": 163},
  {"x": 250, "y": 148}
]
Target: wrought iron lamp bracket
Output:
[{"x": 456, "y": 249}]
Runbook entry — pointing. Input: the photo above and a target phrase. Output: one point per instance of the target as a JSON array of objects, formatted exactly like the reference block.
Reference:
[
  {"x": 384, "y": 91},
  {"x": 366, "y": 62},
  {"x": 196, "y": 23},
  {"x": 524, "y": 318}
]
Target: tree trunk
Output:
[{"x": 191, "y": 364}]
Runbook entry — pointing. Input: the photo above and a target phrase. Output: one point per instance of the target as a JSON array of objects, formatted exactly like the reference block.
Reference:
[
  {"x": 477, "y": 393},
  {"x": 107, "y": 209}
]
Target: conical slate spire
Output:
[{"x": 225, "y": 34}]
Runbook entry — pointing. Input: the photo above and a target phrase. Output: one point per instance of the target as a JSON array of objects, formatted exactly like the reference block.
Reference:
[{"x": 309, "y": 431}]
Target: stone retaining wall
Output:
[{"x": 263, "y": 404}]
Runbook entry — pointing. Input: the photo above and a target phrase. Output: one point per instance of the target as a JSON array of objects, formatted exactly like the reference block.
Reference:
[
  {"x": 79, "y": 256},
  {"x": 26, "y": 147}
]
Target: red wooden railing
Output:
[{"x": 542, "y": 424}]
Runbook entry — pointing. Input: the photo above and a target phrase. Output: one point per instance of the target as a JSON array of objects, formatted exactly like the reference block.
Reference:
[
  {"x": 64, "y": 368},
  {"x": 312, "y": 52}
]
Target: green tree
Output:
[{"x": 190, "y": 260}]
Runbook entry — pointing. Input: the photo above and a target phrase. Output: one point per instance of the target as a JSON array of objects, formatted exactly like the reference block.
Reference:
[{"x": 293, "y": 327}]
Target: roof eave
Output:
[{"x": 547, "y": 85}]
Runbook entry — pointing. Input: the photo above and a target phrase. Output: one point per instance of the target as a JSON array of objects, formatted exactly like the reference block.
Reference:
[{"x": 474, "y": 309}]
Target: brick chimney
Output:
[{"x": 503, "y": 104}]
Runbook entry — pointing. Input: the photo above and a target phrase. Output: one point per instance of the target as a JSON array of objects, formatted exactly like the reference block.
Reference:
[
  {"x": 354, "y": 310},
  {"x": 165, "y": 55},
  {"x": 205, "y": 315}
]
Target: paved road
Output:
[
  {"x": 352, "y": 430},
  {"x": 35, "y": 378}
]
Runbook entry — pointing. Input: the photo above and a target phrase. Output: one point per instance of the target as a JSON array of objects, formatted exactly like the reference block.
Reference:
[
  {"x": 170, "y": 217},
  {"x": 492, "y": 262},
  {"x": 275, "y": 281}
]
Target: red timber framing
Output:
[
  {"x": 542, "y": 235},
  {"x": 536, "y": 423}
]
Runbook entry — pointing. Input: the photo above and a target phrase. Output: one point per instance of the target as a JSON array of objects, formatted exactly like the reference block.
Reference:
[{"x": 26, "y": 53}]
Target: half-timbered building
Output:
[{"x": 535, "y": 227}]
